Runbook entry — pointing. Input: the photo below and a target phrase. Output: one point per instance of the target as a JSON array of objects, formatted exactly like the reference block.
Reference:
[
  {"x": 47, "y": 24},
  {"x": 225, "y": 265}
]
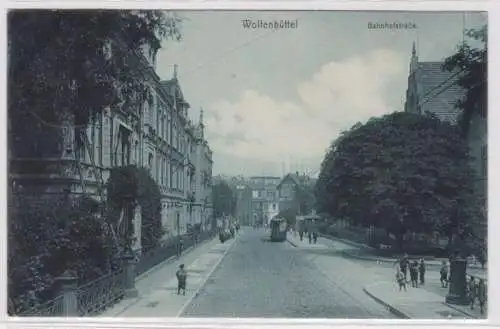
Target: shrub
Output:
[{"x": 48, "y": 238}]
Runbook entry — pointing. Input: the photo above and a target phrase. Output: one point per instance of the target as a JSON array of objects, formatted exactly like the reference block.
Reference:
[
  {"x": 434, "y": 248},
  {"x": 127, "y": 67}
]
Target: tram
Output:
[{"x": 279, "y": 228}]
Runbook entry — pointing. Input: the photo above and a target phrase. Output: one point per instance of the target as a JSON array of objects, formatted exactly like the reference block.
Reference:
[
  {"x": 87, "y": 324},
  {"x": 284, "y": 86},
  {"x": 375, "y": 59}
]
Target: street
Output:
[{"x": 258, "y": 278}]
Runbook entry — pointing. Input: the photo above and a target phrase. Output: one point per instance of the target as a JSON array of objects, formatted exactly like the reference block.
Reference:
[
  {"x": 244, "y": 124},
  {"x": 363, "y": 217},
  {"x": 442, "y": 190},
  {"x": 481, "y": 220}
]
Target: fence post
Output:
[
  {"x": 68, "y": 286},
  {"x": 129, "y": 262}
]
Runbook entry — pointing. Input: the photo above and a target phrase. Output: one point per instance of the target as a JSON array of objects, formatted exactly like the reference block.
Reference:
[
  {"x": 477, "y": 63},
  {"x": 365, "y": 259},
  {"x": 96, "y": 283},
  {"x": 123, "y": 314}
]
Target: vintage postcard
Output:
[{"x": 247, "y": 164}]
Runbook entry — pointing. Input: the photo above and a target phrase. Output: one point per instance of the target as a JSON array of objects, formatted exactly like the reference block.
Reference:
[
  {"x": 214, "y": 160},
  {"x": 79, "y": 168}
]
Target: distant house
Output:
[
  {"x": 264, "y": 198},
  {"x": 287, "y": 190}
]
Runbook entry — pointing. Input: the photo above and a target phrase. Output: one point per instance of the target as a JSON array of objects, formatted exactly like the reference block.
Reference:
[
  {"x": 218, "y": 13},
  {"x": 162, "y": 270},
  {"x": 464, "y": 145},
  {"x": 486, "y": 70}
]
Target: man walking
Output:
[{"x": 421, "y": 270}]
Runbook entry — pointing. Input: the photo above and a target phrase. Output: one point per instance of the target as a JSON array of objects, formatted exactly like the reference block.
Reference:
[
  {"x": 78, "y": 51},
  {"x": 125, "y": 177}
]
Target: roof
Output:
[
  {"x": 168, "y": 84},
  {"x": 293, "y": 177},
  {"x": 439, "y": 90}
]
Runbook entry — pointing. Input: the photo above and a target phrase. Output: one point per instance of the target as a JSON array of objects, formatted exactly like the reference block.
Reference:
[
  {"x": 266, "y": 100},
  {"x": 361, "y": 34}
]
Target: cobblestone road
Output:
[{"x": 259, "y": 278}]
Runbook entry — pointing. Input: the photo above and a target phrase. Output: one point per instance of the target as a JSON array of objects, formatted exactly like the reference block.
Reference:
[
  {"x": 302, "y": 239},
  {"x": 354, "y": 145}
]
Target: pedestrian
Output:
[
  {"x": 472, "y": 291},
  {"x": 309, "y": 235},
  {"x": 301, "y": 235},
  {"x": 400, "y": 278},
  {"x": 315, "y": 237},
  {"x": 414, "y": 274},
  {"x": 181, "y": 275},
  {"x": 403, "y": 265},
  {"x": 481, "y": 295},
  {"x": 444, "y": 274},
  {"x": 421, "y": 270}
]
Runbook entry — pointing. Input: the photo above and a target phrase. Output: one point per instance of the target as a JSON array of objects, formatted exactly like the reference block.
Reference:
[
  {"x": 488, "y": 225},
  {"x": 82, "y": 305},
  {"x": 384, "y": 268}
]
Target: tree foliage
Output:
[
  {"x": 289, "y": 214},
  {"x": 46, "y": 239},
  {"x": 473, "y": 63},
  {"x": 304, "y": 198},
  {"x": 68, "y": 66},
  {"x": 129, "y": 187},
  {"x": 224, "y": 200},
  {"x": 402, "y": 172}
]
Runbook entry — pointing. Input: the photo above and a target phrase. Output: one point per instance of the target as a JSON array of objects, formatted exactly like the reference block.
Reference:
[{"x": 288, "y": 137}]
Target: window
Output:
[
  {"x": 162, "y": 127},
  {"x": 99, "y": 142},
  {"x": 150, "y": 162},
  {"x": 274, "y": 206},
  {"x": 136, "y": 152}
]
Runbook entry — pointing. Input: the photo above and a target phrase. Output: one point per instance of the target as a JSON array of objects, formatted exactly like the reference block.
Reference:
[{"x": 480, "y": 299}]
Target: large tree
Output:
[
  {"x": 66, "y": 67},
  {"x": 224, "y": 199},
  {"x": 402, "y": 172},
  {"x": 472, "y": 62}
]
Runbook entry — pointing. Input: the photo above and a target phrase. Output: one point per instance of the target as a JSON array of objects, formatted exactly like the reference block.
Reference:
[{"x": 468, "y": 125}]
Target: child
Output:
[
  {"x": 181, "y": 280},
  {"x": 400, "y": 277}
]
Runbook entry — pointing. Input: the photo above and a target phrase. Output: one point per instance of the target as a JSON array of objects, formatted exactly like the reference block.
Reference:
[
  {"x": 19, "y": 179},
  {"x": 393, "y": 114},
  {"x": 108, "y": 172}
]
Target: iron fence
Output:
[{"x": 95, "y": 296}]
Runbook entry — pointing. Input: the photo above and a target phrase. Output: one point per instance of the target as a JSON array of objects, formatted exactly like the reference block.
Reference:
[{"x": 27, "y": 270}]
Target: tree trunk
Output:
[{"x": 399, "y": 241}]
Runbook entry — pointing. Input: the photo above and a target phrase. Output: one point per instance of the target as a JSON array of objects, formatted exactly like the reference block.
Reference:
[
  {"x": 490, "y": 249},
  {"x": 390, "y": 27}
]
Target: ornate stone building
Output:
[{"x": 156, "y": 134}]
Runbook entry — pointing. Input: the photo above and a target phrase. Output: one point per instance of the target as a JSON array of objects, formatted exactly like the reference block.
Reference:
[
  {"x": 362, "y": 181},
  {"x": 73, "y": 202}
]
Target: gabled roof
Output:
[
  {"x": 439, "y": 90},
  {"x": 173, "y": 85},
  {"x": 293, "y": 177}
]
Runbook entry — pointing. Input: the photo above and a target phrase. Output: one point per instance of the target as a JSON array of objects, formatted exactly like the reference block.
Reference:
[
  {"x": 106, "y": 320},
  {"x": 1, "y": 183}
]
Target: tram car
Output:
[{"x": 279, "y": 228}]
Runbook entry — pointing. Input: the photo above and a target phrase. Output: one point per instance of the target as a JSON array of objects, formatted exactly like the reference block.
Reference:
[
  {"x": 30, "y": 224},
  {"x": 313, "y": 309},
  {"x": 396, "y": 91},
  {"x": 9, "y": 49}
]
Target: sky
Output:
[{"x": 275, "y": 99}]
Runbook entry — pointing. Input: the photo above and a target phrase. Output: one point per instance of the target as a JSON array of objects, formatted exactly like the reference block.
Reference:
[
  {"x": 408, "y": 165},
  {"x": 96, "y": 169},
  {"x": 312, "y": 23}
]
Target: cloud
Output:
[{"x": 336, "y": 97}]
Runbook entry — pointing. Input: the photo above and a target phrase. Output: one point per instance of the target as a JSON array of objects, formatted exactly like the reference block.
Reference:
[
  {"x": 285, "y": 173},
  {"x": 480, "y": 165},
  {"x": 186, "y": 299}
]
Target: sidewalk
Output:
[
  {"x": 414, "y": 303},
  {"x": 362, "y": 278},
  {"x": 158, "y": 290}
]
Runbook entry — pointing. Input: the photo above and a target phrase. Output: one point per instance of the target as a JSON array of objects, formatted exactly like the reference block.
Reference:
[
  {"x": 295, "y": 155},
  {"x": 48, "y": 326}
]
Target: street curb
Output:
[
  {"x": 134, "y": 301},
  {"x": 202, "y": 285},
  {"x": 170, "y": 260},
  {"x": 461, "y": 311},
  {"x": 391, "y": 309},
  {"x": 292, "y": 243}
]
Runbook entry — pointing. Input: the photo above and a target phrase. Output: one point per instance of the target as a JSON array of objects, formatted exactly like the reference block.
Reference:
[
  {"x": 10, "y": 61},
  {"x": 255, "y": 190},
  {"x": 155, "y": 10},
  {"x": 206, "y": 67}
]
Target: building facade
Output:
[
  {"x": 265, "y": 203},
  {"x": 244, "y": 204},
  {"x": 434, "y": 90},
  {"x": 156, "y": 134}
]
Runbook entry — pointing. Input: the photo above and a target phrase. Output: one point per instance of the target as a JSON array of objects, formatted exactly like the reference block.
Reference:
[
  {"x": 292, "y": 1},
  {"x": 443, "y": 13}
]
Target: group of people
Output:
[
  {"x": 475, "y": 289},
  {"x": 313, "y": 236},
  {"x": 417, "y": 272}
]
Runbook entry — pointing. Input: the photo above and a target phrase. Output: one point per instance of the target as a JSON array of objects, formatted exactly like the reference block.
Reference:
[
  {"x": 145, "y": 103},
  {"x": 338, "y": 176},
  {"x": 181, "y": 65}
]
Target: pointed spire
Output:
[
  {"x": 414, "y": 50},
  {"x": 175, "y": 70},
  {"x": 201, "y": 116}
]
